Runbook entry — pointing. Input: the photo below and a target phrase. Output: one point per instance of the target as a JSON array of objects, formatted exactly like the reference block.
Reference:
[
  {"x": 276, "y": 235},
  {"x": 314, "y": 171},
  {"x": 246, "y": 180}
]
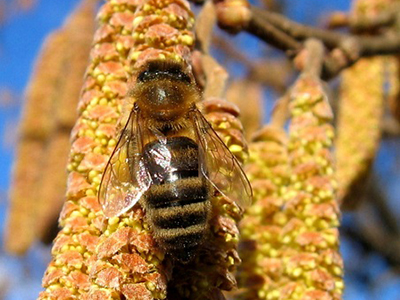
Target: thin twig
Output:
[
  {"x": 273, "y": 72},
  {"x": 378, "y": 198},
  {"x": 287, "y": 35},
  {"x": 280, "y": 113},
  {"x": 271, "y": 35},
  {"x": 296, "y": 30},
  {"x": 379, "y": 239},
  {"x": 314, "y": 57},
  {"x": 390, "y": 127},
  {"x": 366, "y": 46}
]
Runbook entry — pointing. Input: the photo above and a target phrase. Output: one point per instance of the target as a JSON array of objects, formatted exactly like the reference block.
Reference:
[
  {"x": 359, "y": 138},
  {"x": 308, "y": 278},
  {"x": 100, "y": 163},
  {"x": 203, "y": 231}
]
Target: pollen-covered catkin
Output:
[
  {"x": 290, "y": 234},
  {"x": 95, "y": 257},
  {"x": 360, "y": 113}
]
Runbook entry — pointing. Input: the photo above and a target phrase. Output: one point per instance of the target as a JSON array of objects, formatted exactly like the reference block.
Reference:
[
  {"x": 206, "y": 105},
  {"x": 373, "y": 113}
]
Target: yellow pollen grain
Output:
[
  {"x": 67, "y": 229},
  {"x": 98, "y": 133},
  {"x": 78, "y": 266},
  {"x": 84, "y": 211},
  {"x": 187, "y": 39},
  {"x": 309, "y": 221},
  {"x": 96, "y": 181},
  {"x": 150, "y": 286},
  {"x": 81, "y": 169},
  {"x": 54, "y": 287},
  {"x": 110, "y": 77},
  {"x": 92, "y": 174},
  {"x": 112, "y": 142},
  {"x": 97, "y": 150},
  {"x": 261, "y": 294},
  {"x": 236, "y": 148},
  {"x": 172, "y": 17},
  {"x": 100, "y": 78},
  {"x": 228, "y": 237},
  {"x": 297, "y": 272},
  {"x": 85, "y": 114},
  {"x": 94, "y": 124},
  {"x": 58, "y": 263},
  {"x": 94, "y": 101},
  {"x": 146, "y": 7},
  {"x": 286, "y": 239},
  {"x": 90, "y": 192},
  {"x": 89, "y": 133},
  {"x": 274, "y": 295},
  {"x": 339, "y": 285},
  {"x": 113, "y": 220},
  {"x": 125, "y": 32},
  {"x": 75, "y": 213},
  {"x": 137, "y": 20}
]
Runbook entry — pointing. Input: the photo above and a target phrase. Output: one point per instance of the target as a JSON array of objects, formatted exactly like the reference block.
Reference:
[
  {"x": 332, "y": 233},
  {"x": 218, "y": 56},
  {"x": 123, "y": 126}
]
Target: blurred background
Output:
[{"x": 370, "y": 233}]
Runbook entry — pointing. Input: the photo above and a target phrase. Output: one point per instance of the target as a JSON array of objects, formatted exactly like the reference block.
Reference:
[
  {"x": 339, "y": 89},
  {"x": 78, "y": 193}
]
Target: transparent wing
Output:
[
  {"x": 219, "y": 165},
  {"x": 125, "y": 178}
]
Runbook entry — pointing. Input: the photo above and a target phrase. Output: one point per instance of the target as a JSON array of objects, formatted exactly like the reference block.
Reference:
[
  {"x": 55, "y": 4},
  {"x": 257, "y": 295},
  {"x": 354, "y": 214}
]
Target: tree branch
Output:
[
  {"x": 314, "y": 57},
  {"x": 271, "y": 35},
  {"x": 359, "y": 24},
  {"x": 346, "y": 49},
  {"x": 296, "y": 30}
]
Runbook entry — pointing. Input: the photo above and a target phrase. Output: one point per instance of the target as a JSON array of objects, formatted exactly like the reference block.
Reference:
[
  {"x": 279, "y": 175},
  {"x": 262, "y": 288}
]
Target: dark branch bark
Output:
[
  {"x": 390, "y": 128},
  {"x": 346, "y": 49},
  {"x": 379, "y": 199},
  {"x": 271, "y": 35},
  {"x": 314, "y": 57},
  {"x": 296, "y": 30},
  {"x": 363, "y": 24}
]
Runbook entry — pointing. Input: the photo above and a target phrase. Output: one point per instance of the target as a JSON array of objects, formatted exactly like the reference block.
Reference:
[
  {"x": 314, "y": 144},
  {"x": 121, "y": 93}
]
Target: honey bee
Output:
[{"x": 169, "y": 157}]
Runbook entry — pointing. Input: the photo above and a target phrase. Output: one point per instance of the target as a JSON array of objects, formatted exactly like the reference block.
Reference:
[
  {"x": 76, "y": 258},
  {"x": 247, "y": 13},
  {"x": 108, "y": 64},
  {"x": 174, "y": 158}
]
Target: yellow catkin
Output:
[
  {"x": 43, "y": 121},
  {"x": 311, "y": 259},
  {"x": 290, "y": 234},
  {"x": 269, "y": 172},
  {"x": 360, "y": 113},
  {"x": 51, "y": 185},
  {"x": 99, "y": 258},
  {"x": 35, "y": 128},
  {"x": 247, "y": 95},
  {"x": 359, "y": 125},
  {"x": 393, "y": 75},
  {"x": 53, "y": 174},
  {"x": 85, "y": 263},
  {"x": 211, "y": 272},
  {"x": 20, "y": 229}
]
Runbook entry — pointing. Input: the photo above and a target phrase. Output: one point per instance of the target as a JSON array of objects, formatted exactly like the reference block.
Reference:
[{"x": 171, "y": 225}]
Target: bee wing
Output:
[
  {"x": 219, "y": 165},
  {"x": 125, "y": 177}
]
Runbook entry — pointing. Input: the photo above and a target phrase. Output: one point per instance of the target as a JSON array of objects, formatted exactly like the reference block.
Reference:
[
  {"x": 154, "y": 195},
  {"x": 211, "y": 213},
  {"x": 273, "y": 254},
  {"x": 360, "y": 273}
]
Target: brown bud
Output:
[{"x": 233, "y": 15}]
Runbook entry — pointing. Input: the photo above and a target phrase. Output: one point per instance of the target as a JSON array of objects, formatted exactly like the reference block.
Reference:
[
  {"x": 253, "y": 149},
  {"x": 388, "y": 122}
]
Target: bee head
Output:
[
  {"x": 163, "y": 91},
  {"x": 168, "y": 70}
]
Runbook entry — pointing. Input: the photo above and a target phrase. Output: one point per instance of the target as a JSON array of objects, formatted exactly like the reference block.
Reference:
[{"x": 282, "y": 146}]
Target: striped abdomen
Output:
[{"x": 177, "y": 203}]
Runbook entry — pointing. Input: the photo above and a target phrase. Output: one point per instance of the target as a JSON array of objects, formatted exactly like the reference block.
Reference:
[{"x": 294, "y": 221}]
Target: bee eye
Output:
[
  {"x": 172, "y": 74},
  {"x": 144, "y": 76},
  {"x": 183, "y": 77}
]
